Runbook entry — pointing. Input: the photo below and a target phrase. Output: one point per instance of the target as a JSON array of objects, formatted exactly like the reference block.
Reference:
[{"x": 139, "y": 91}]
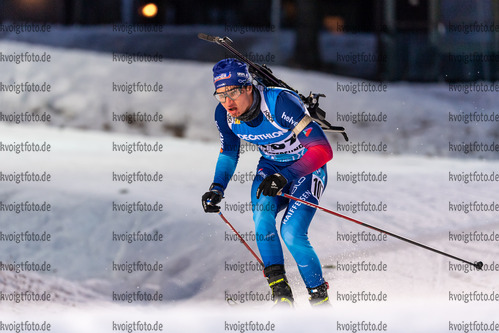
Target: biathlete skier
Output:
[{"x": 294, "y": 151}]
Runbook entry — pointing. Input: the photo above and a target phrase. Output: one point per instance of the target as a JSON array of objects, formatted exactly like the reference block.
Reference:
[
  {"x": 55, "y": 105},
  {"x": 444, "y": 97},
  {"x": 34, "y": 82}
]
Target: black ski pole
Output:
[{"x": 478, "y": 265}]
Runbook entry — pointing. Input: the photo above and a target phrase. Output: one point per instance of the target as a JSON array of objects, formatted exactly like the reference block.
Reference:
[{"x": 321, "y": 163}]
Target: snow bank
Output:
[{"x": 423, "y": 119}]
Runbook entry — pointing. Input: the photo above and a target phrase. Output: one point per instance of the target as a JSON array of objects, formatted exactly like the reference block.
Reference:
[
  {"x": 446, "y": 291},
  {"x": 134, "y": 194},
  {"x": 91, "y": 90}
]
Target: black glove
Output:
[
  {"x": 211, "y": 198},
  {"x": 271, "y": 185}
]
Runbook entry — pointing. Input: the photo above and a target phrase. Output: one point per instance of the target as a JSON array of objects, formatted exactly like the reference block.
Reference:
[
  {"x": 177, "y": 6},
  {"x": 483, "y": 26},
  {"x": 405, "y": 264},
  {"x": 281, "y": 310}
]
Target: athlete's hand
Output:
[
  {"x": 271, "y": 185},
  {"x": 210, "y": 200}
]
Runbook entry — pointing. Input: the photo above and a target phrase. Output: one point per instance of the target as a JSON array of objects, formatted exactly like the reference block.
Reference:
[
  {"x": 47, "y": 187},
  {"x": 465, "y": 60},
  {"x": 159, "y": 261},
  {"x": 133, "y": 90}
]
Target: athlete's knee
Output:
[
  {"x": 288, "y": 238},
  {"x": 294, "y": 240}
]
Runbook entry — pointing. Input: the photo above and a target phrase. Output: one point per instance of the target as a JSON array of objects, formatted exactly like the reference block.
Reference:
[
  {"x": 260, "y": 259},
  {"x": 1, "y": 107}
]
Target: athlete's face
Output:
[{"x": 237, "y": 105}]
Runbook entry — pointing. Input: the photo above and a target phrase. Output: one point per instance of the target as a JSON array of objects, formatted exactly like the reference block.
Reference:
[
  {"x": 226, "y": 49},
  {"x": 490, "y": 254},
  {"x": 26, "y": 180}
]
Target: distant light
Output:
[{"x": 150, "y": 10}]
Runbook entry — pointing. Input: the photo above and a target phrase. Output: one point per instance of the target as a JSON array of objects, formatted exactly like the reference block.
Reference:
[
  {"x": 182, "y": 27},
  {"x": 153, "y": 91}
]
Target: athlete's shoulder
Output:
[
  {"x": 288, "y": 109},
  {"x": 271, "y": 93},
  {"x": 221, "y": 118},
  {"x": 220, "y": 113},
  {"x": 274, "y": 92}
]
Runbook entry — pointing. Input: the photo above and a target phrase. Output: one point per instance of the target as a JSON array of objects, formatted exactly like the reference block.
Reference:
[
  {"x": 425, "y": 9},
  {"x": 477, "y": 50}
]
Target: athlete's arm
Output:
[{"x": 229, "y": 151}]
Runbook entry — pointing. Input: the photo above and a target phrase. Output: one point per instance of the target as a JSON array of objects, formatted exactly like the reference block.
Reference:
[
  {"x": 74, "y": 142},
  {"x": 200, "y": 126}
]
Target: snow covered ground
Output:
[
  {"x": 196, "y": 279},
  {"x": 423, "y": 197}
]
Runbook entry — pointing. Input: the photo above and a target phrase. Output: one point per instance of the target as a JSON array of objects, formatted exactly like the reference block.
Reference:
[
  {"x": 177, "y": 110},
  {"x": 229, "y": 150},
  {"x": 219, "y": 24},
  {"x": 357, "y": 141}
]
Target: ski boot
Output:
[
  {"x": 281, "y": 291},
  {"x": 318, "y": 295}
]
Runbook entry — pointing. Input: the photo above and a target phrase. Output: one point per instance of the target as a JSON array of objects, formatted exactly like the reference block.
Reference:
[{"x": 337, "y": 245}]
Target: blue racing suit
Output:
[{"x": 301, "y": 159}]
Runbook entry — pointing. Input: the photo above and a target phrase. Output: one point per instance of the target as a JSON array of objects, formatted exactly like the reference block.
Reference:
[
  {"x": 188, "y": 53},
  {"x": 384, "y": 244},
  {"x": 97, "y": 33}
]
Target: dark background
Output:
[{"x": 410, "y": 38}]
